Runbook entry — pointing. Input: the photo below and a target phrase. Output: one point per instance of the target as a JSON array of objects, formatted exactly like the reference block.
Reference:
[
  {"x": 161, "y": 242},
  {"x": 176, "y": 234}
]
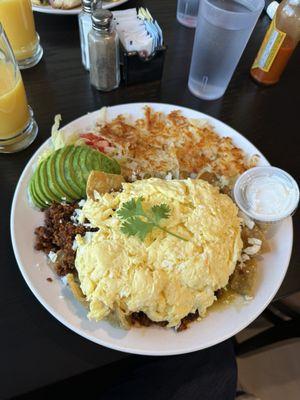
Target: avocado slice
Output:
[
  {"x": 32, "y": 192},
  {"x": 83, "y": 166},
  {"x": 102, "y": 161},
  {"x": 95, "y": 161},
  {"x": 69, "y": 172},
  {"x": 59, "y": 165},
  {"x": 77, "y": 162},
  {"x": 86, "y": 160},
  {"x": 52, "y": 178},
  {"x": 39, "y": 189},
  {"x": 64, "y": 174},
  {"x": 89, "y": 164},
  {"x": 42, "y": 179},
  {"x": 107, "y": 164}
]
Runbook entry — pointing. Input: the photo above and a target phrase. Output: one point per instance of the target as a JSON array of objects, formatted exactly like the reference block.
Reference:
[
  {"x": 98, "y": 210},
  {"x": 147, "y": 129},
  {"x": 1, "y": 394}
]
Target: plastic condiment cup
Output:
[{"x": 267, "y": 195}]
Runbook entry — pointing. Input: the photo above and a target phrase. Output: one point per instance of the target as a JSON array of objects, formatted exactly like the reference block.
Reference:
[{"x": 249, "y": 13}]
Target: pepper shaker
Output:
[
  {"x": 104, "y": 51},
  {"x": 85, "y": 26}
]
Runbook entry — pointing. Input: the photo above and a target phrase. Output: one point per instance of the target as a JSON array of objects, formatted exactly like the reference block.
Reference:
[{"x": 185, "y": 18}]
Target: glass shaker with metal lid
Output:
[
  {"x": 104, "y": 51},
  {"x": 85, "y": 26}
]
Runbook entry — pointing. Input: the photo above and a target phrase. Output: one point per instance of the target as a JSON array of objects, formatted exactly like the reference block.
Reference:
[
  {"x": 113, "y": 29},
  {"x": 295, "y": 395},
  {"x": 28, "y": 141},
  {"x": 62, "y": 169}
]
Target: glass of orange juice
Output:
[
  {"x": 16, "y": 17},
  {"x": 18, "y": 128}
]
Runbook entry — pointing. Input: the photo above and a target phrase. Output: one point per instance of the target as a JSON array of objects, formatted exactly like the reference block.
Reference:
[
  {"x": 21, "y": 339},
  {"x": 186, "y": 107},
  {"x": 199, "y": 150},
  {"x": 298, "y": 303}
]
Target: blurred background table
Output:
[{"x": 36, "y": 350}]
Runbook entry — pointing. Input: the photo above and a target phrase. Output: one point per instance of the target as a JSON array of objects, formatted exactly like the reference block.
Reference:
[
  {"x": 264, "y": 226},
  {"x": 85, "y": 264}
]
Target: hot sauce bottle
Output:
[{"x": 279, "y": 43}]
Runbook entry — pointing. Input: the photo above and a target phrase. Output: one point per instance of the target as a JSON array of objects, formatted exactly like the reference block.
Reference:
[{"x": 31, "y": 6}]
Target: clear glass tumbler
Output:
[
  {"x": 16, "y": 17},
  {"x": 223, "y": 30},
  {"x": 187, "y": 12},
  {"x": 18, "y": 128}
]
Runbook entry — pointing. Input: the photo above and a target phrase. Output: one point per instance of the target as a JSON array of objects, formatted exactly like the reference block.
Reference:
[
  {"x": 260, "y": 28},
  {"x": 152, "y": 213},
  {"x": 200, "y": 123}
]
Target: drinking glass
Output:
[
  {"x": 16, "y": 17},
  {"x": 187, "y": 12},
  {"x": 223, "y": 30},
  {"x": 18, "y": 128}
]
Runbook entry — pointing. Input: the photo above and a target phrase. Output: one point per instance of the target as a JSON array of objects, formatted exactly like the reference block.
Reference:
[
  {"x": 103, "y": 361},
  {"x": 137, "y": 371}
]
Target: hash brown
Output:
[{"x": 160, "y": 143}]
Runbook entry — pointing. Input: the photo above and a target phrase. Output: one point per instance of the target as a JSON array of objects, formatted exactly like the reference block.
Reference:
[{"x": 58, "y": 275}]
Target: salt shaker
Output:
[
  {"x": 104, "y": 51},
  {"x": 85, "y": 26}
]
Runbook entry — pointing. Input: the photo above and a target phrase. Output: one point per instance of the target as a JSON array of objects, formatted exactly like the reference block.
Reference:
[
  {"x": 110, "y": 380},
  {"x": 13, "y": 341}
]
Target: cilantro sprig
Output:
[{"x": 136, "y": 221}]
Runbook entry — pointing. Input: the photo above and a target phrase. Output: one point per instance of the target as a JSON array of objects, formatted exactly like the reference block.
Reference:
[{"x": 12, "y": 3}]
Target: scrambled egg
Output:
[{"x": 164, "y": 277}]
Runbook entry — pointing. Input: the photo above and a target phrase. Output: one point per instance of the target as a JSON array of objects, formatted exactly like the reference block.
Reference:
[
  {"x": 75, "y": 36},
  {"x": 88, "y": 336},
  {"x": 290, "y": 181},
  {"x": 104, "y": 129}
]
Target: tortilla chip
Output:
[
  {"x": 101, "y": 183},
  {"x": 75, "y": 289}
]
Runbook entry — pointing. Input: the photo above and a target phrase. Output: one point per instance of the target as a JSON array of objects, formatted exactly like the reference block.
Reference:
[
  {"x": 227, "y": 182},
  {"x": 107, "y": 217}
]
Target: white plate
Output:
[
  {"x": 220, "y": 323},
  {"x": 73, "y": 11}
]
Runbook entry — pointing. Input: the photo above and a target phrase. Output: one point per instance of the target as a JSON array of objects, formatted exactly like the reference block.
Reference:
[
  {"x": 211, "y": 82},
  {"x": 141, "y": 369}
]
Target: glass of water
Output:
[
  {"x": 187, "y": 12},
  {"x": 223, "y": 30}
]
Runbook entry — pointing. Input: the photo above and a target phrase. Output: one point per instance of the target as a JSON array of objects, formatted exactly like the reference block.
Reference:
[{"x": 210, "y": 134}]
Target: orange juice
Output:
[
  {"x": 17, "y": 19},
  {"x": 14, "y": 114}
]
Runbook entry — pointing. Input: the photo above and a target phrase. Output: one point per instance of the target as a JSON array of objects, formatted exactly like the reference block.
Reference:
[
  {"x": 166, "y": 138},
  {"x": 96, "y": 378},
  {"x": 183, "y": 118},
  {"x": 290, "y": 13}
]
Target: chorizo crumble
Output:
[{"x": 58, "y": 234}]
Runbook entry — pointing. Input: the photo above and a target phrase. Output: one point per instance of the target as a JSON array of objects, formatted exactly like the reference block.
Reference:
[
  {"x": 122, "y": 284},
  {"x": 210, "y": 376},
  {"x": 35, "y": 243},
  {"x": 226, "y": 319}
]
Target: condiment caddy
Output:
[
  {"x": 124, "y": 45},
  {"x": 142, "y": 50}
]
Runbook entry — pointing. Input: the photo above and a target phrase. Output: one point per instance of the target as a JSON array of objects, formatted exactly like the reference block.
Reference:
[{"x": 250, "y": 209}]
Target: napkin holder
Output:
[{"x": 138, "y": 69}]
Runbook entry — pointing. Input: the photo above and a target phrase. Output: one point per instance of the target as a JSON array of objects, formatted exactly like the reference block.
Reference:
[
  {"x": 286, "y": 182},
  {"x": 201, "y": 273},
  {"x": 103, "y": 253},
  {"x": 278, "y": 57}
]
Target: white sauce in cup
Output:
[{"x": 266, "y": 194}]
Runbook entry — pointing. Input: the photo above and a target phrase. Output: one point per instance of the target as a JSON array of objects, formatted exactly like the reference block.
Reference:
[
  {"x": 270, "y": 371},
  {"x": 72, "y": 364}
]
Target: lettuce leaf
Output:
[{"x": 59, "y": 139}]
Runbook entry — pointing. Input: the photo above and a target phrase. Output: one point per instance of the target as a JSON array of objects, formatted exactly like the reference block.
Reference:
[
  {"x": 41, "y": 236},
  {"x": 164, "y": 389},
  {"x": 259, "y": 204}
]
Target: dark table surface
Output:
[{"x": 35, "y": 349}]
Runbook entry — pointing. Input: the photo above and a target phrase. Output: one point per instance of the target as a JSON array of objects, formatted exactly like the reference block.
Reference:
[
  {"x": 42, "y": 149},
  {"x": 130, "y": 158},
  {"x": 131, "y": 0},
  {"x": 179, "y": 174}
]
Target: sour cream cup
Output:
[{"x": 267, "y": 195}]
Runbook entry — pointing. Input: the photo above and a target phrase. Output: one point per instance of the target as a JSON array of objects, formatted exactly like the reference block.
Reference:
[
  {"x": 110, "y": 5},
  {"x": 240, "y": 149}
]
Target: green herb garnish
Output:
[{"x": 138, "y": 222}]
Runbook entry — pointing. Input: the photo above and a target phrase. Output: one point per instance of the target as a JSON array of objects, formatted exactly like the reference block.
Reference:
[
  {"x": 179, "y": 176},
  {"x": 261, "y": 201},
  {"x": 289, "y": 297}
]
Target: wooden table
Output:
[{"x": 35, "y": 349}]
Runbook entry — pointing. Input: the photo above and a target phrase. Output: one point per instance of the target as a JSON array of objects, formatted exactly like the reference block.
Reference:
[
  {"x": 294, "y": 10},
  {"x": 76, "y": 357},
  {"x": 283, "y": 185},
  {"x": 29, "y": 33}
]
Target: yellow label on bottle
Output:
[{"x": 269, "y": 48}]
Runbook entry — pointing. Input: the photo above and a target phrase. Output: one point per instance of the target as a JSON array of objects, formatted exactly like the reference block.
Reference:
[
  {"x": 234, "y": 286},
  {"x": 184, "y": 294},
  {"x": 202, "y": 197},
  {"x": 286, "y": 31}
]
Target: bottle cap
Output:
[
  {"x": 272, "y": 8},
  {"x": 87, "y": 6},
  {"x": 101, "y": 19}
]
